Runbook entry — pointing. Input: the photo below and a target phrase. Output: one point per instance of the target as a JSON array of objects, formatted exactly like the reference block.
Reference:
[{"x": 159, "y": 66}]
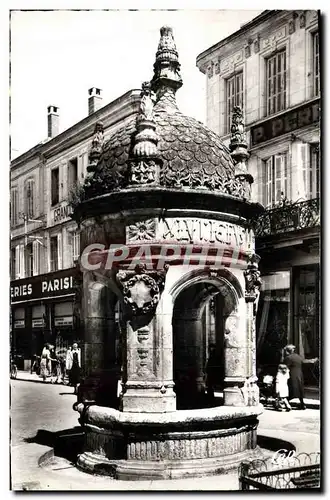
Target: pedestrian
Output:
[
  {"x": 294, "y": 362},
  {"x": 73, "y": 363},
  {"x": 211, "y": 372},
  {"x": 45, "y": 363},
  {"x": 282, "y": 388}
]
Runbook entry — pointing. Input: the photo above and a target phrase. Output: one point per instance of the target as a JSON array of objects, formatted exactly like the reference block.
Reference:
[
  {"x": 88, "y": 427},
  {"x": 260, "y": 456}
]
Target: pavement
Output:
[{"x": 39, "y": 411}]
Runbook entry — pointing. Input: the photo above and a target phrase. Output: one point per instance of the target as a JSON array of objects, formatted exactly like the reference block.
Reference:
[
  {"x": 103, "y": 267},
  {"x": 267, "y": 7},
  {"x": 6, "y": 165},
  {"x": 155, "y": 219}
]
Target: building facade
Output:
[
  {"x": 45, "y": 241},
  {"x": 271, "y": 69}
]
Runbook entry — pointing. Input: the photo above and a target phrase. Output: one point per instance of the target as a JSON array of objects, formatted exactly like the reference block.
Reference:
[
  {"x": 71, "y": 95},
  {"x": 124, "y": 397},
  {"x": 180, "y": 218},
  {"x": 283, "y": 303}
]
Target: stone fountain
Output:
[{"x": 165, "y": 215}]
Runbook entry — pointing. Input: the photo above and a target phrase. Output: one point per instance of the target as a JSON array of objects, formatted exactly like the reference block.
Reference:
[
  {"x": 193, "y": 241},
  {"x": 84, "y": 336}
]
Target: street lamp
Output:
[{"x": 26, "y": 219}]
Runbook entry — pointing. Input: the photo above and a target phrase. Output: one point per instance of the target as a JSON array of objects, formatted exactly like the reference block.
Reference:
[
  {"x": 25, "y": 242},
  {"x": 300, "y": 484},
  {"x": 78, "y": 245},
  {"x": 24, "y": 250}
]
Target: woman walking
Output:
[
  {"x": 294, "y": 362},
  {"x": 73, "y": 364},
  {"x": 45, "y": 363}
]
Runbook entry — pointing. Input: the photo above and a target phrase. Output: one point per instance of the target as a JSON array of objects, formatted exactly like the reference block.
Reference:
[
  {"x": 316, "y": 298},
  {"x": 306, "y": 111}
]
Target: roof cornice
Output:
[{"x": 266, "y": 14}]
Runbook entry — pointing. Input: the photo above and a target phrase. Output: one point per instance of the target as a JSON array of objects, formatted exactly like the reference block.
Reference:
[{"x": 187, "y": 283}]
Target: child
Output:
[{"x": 282, "y": 389}]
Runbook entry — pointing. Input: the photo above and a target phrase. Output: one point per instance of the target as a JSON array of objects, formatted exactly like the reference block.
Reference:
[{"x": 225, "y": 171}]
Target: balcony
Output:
[{"x": 288, "y": 217}]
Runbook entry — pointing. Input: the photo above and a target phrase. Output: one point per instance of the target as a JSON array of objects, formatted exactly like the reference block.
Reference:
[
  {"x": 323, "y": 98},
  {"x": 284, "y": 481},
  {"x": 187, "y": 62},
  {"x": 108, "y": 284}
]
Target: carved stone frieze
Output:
[
  {"x": 229, "y": 63},
  {"x": 292, "y": 26},
  {"x": 247, "y": 51},
  {"x": 271, "y": 40},
  {"x": 143, "y": 172},
  {"x": 217, "y": 67},
  {"x": 142, "y": 230},
  {"x": 141, "y": 289}
]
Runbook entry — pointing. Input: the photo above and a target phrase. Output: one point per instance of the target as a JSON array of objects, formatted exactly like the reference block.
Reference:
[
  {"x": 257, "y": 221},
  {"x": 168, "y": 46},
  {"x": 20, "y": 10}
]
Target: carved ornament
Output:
[
  {"x": 141, "y": 290},
  {"x": 252, "y": 279}
]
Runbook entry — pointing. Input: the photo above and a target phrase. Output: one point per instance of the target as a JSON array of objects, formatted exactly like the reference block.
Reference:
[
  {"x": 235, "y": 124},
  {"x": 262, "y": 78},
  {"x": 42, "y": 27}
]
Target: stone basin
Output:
[{"x": 168, "y": 445}]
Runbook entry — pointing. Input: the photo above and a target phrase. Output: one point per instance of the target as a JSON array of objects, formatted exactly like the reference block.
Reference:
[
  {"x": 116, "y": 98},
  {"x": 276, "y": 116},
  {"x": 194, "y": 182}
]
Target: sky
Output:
[{"x": 56, "y": 56}]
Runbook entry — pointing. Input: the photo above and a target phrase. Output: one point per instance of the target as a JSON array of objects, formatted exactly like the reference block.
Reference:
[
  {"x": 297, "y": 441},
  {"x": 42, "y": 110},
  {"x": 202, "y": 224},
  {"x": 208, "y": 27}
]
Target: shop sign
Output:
[
  {"x": 290, "y": 121},
  {"x": 64, "y": 321},
  {"x": 43, "y": 286},
  {"x": 19, "y": 323},
  {"x": 38, "y": 323},
  {"x": 62, "y": 213}
]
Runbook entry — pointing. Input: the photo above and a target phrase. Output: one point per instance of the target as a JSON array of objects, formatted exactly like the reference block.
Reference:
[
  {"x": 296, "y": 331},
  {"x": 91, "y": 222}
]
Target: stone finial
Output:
[
  {"x": 96, "y": 148},
  {"x": 167, "y": 66},
  {"x": 144, "y": 157},
  {"x": 239, "y": 150},
  {"x": 145, "y": 141}
]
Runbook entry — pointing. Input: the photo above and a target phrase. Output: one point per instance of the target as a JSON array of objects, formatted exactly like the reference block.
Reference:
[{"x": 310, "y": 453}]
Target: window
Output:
[
  {"x": 276, "y": 72},
  {"x": 29, "y": 198},
  {"x": 316, "y": 65},
  {"x": 29, "y": 260},
  {"x": 234, "y": 93},
  {"x": 72, "y": 173},
  {"x": 13, "y": 264},
  {"x": 14, "y": 207},
  {"x": 55, "y": 186},
  {"x": 277, "y": 185},
  {"x": 74, "y": 243},
  {"x": 53, "y": 253},
  {"x": 310, "y": 170}
]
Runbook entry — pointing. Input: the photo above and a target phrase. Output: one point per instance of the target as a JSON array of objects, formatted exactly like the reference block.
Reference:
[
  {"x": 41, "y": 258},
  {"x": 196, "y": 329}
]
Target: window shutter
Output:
[
  {"x": 278, "y": 177},
  {"x": 269, "y": 183},
  {"x": 70, "y": 245},
  {"x": 35, "y": 247},
  {"x": 59, "y": 250},
  {"x": 303, "y": 171},
  {"x": 21, "y": 261},
  {"x": 17, "y": 262}
]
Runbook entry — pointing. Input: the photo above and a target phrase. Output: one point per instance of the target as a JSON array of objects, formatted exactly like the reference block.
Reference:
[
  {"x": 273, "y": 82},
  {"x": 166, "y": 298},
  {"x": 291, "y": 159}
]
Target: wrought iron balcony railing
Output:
[{"x": 288, "y": 217}]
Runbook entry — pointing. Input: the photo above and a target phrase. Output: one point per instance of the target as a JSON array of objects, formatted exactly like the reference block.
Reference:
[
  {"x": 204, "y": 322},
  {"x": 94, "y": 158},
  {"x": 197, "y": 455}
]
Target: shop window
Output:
[
  {"x": 54, "y": 253},
  {"x": 276, "y": 82},
  {"x": 14, "y": 207},
  {"x": 30, "y": 198},
  {"x": 277, "y": 182},
  {"x": 273, "y": 318},
  {"x": 72, "y": 172},
  {"x": 234, "y": 96},
  {"x": 55, "y": 186},
  {"x": 316, "y": 65}
]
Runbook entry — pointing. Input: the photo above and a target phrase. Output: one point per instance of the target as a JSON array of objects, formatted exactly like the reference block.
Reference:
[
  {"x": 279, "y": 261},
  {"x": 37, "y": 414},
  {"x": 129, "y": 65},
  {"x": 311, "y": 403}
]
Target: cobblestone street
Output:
[{"x": 48, "y": 408}]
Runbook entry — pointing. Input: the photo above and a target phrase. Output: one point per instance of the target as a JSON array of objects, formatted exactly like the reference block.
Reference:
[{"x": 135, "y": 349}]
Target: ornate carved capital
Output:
[
  {"x": 252, "y": 279},
  {"x": 141, "y": 289}
]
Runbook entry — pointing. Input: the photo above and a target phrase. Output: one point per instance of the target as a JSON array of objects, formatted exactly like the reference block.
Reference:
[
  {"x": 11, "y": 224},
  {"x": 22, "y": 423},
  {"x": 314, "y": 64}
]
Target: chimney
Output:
[
  {"x": 94, "y": 100},
  {"x": 53, "y": 121}
]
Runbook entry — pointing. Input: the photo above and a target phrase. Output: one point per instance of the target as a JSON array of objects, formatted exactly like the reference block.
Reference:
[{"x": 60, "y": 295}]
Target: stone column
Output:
[
  {"x": 236, "y": 356},
  {"x": 148, "y": 385},
  {"x": 98, "y": 349}
]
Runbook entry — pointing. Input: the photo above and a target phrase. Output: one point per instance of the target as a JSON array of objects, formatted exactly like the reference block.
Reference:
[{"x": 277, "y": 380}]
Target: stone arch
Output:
[{"x": 191, "y": 296}]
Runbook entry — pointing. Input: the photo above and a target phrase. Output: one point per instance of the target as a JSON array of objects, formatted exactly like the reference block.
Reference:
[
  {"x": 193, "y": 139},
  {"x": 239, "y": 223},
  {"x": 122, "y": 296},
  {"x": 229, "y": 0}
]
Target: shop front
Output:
[
  {"x": 42, "y": 310},
  {"x": 289, "y": 312}
]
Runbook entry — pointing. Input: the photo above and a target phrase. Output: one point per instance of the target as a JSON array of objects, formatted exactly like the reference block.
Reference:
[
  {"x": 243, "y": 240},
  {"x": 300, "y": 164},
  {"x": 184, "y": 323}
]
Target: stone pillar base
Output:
[{"x": 156, "y": 400}]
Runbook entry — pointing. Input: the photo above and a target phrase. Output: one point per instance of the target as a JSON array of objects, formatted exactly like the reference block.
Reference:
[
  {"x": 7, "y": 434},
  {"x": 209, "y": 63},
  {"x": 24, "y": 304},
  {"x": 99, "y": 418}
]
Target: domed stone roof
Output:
[{"x": 160, "y": 146}]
